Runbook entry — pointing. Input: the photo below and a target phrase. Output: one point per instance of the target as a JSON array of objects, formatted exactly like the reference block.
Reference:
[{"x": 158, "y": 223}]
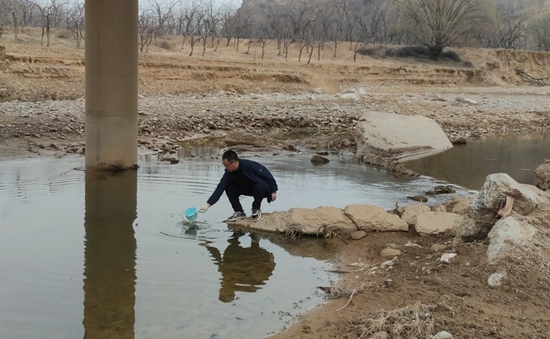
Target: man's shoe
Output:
[
  {"x": 256, "y": 214},
  {"x": 236, "y": 216}
]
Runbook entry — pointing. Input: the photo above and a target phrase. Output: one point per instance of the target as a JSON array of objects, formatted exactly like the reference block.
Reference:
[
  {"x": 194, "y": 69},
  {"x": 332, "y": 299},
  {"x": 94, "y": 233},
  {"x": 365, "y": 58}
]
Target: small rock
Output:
[
  {"x": 390, "y": 252},
  {"x": 438, "y": 247},
  {"x": 443, "y": 335},
  {"x": 459, "y": 141},
  {"x": 317, "y": 159},
  {"x": 357, "y": 235},
  {"x": 495, "y": 279},
  {"x": 419, "y": 198},
  {"x": 447, "y": 257},
  {"x": 386, "y": 265},
  {"x": 393, "y": 245},
  {"x": 466, "y": 101}
]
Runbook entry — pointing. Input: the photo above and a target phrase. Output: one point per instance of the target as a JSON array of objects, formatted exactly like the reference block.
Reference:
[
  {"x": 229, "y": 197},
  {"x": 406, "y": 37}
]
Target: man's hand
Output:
[
  {"x": 204, "y": 208},
  {"x": 274, "y": 196}
]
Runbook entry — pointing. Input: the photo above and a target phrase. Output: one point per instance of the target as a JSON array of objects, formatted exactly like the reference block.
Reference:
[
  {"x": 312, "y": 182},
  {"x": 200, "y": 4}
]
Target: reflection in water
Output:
[
  {"x": 110, "y": 255},
  {"x": 243, "y": 269}
]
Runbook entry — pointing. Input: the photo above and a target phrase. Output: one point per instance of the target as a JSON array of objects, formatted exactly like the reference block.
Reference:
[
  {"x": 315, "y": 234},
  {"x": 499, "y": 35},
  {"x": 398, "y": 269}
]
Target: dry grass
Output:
[{"x": 410, "y": 322}]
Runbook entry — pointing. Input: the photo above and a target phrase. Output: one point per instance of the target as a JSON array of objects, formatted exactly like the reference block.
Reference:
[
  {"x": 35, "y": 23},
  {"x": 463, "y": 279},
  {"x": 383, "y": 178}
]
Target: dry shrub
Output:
[
  {"x": 410, "y": 322},
  {"x": 165, "y": 45},
  {"x": 64, "y": 34},
  {"x": 293, "y": 233},
  {"x": 406, "y": 52}
]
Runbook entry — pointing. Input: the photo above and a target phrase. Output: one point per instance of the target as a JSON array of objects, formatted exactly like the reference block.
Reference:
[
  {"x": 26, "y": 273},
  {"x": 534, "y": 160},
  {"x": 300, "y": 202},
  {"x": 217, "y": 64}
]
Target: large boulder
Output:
[
  {"x": 542, "y": 176},
  {"x": 374, "y": 218},
  {"x": 317, "y": 221},
  {"x": 433, "y": 223},
  {"x": 392, "y": 135},
  {"x": 485, "y": 206},
  {"x": 506, "y": 234},
  {"x": 410, "y": 212},
  {"x": 460, "y": 204}
]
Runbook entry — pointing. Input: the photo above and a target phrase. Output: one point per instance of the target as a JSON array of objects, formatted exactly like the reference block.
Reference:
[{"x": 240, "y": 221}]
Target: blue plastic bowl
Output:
[{"x": 191, "y": 213}]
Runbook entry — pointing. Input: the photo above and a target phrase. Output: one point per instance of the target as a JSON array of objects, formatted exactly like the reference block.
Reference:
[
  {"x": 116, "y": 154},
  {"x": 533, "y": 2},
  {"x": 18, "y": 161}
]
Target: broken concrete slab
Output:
[
  {"x": 374, "y": 218},
  {"x": 433, "y": 223},
  {"x": 389, "y": 135},
  {"x": 410, "y": 212},
  {"x": 325, "y": 220}
]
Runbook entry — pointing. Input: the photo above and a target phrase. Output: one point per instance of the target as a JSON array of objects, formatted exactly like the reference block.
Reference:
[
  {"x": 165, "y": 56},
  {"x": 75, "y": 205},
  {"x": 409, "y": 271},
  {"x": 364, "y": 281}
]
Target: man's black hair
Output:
[{"x": 230, "y": 156}]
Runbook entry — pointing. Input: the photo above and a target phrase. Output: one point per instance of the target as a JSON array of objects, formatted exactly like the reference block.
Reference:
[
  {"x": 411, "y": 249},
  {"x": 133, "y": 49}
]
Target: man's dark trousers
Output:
[{"x": 259, "y": 192}]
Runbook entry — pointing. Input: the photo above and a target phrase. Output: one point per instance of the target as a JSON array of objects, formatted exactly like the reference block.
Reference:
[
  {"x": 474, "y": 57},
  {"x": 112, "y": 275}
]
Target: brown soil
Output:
[{"x": 286, "y": 104}]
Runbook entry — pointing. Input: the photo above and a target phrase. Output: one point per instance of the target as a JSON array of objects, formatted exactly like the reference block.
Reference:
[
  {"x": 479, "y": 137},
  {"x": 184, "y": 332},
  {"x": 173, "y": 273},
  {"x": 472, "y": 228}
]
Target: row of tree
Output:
[{"x": 309, "y": 24}]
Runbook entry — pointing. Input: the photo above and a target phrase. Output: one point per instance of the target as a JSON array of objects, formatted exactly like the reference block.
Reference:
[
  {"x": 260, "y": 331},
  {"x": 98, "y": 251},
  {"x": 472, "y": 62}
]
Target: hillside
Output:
[{"x": 30, "y": 72}]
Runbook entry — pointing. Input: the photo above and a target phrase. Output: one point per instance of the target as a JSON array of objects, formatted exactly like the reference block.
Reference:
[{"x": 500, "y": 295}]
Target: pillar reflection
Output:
[
  {"x": 243, "y": 269},
  {"x": 110, "y": 254}
]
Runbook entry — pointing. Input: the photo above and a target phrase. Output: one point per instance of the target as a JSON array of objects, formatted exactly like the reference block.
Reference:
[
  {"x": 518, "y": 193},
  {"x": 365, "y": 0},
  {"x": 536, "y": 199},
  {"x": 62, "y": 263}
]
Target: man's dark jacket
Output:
[{"x": 254, "y": 171}]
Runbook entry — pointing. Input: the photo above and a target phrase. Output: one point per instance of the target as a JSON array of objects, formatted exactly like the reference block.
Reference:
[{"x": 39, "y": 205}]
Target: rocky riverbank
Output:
[{"x": 316, "y": 121}]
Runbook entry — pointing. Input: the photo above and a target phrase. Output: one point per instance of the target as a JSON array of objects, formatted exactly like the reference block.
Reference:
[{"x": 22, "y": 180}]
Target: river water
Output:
[
  {"x": 469, "y": 165},
  {"x": 96, "y": 256}
]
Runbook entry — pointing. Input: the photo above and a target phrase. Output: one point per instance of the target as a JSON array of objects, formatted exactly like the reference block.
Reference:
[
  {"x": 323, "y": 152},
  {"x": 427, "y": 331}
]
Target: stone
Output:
[
  {"x": 374, "y": 218},
  {"x": 506, "y": 234},
  {"x": 410, "y": 212},
  {"x": 325, "y": 220},
  {"x": 433, "y": 223},
  {"x": 460, "y": 204},
  {"x": 390, "y": 252},
  {"x": 542, "y": 176},
  {"x": 495, "y": 279},
  {"x": 441, "y": 189},
  {"x": 399, "y": 135},
  {"x": 443, "y": 335},
  {"x": 358, "y": 235},
  {"x": 419, "y": 198},
  {"x": 386, "y": 265},
  {"x": 459, "y": 141},
  {"x": 317, "y": 159},
  {"x": 447, "y": 257},
  {"x": 481, "y": 218},
  {"x": 438, "y": 247}
]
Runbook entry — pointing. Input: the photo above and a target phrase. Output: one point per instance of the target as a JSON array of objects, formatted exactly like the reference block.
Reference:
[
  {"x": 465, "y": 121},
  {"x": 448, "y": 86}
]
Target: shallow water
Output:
[
  {"x": 469, "y": 165},
  {"x": 88, "y": 256}
]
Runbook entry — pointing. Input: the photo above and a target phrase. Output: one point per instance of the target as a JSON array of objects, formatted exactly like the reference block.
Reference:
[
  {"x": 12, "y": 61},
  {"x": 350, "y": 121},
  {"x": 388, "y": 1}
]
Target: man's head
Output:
[{"x": 230, "y": 161}]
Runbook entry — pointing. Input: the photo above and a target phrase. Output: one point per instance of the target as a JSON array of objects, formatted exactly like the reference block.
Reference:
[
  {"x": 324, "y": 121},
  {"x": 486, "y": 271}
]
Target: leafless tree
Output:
[
  {"x": 511, "y": 31},
  {"x": 540, "y": 32},
  {"x": 75, "y": 21},
  {"x": 146, "y": 28},
  {"x": 441, "y": 23},
  {"x": 49, "y": 12},
  {"x": 227, "y": 23}
]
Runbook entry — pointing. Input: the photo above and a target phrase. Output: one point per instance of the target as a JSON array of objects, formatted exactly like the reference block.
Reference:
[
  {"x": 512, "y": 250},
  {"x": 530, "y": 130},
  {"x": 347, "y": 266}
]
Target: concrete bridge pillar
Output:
[{"x": 111, "y": 83}]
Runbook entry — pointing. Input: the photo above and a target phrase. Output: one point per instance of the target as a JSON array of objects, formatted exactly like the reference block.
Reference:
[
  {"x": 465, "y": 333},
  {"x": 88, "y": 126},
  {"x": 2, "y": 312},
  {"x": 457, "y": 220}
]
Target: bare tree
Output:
[
  {"x": 440, "y": 23},
  {"x": 228, "y": 24},
  {"x": 146, "y": 28},
  {"x": 540, "y": 32},
  {"x": 75, "y": 21},
  {"x": 49, "y": 12},
  {"x": 511, "y": 31}
]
